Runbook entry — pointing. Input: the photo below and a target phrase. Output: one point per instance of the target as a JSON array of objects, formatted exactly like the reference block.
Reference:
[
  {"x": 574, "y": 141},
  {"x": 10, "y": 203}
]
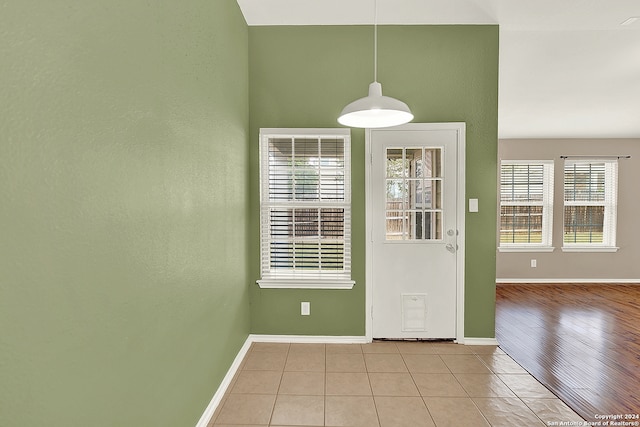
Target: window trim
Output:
[
  {"x": 516, "y": 247},
  {"x": 610, "y": 204},
  {"x": 306, "y": 279},
  {"x": 547, "y": 209}
]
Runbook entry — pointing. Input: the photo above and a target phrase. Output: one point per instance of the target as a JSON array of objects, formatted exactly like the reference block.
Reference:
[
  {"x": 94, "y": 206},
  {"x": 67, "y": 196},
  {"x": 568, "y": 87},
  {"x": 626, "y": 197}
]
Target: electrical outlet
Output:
[
  {"x": 534, "y": 263},
  {"x": 305, "y": 308}
]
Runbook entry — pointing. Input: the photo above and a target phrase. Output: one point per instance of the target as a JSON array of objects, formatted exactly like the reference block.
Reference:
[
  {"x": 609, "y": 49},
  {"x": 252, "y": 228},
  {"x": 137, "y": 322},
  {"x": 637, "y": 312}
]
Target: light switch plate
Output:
[
  {"x": 305, "y": 308},
  {"x": 473, "y": 205}
]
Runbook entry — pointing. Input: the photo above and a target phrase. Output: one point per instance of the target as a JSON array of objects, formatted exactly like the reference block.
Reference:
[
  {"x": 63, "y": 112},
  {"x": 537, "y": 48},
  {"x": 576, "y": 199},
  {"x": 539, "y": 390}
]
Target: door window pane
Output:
[
  {"x": 395, "y": 163},
  {"x": 413, "y": 193},
  {"x": 433, "y": 225},
  {"x": 414, "y": 163},
  {"x": 433, "y": 163},
  {"x": 395, "y": 225}
]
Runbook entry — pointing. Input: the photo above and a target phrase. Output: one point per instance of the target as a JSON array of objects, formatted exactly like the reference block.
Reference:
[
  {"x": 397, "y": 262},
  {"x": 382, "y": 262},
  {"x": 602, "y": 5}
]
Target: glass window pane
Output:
[
  {"x": 280, "y": 169},
  {"x": 332, "y": 256},
  {"x": 281, "y": 255},
  {"x": 521, "y": 224},
  {"x": 414, "y": 163},
  {"x": 395, "y": 193},
  {"x": 414, "y": 193},
  {"x": 332, "y": 169},
  {"x": 332, "y": 223},
  {"x": 583, "y": 224},
  {"x": 281, "y": 223},
  {"x": 306, "y": 184},
  {"x": 432, "y": 163},
  {"x": 395, "y": 163},
  {"x": 307, "y": 256},
  {"x": 332, "y": 184},
  {"x": 432, "y": 194},
  {"x": 306, "y": 163},
  {"x": 433, "y": 225},
  {"x": 522, "y": 182},
  {"x": 416, "y": 225},
  {"x": 306, "y": 152},
  {"x": 332, "y": 153},
  {"x": 395, "y": 225},
  {"x": 584, "y": 182},
  {"x": 280, "y": 184},
  {"x": 306, "y": 222}
]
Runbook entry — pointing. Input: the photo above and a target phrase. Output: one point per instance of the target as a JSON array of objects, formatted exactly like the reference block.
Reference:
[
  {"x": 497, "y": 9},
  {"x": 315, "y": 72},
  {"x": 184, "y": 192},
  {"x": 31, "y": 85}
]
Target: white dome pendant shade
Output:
[{"x": 375, "y": 111}]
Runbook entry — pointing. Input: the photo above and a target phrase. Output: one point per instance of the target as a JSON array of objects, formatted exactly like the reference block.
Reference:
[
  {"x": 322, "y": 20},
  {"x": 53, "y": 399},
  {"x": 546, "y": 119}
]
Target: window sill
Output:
[
  {"x": 590, "y": 249},
  {"x": 526, "y": 248},
  {"x": 306, "y": 283}
]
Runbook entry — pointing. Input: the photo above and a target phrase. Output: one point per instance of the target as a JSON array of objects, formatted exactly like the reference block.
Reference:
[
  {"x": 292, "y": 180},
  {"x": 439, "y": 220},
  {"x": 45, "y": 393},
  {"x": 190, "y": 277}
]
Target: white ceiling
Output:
[{"x": 568, "y": 68}]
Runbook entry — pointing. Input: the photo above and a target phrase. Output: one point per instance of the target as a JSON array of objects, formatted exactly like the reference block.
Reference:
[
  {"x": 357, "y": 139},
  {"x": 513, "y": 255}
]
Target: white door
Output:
[{"x": 413, "y": 188}]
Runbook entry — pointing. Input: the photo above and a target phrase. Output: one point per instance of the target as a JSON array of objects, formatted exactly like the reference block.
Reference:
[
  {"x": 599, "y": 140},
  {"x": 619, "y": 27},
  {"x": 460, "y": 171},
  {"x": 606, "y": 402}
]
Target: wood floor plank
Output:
[{"x": 581, "y": 341}]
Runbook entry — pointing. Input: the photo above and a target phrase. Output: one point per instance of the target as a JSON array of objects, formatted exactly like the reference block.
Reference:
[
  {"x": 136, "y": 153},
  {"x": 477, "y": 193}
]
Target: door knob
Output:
[{"x": 451, "y": 248}]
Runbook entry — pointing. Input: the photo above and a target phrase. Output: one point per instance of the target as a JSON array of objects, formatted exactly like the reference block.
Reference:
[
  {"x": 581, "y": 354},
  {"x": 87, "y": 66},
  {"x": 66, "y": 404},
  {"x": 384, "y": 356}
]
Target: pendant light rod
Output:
[{"x": 375, "y": 40}]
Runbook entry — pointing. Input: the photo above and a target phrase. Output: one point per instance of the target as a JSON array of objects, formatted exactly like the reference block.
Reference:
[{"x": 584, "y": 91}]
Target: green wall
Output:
[
  {"x": 129, "y": 211},
  {"x": 303, "y": 76},
  {"x": 123, "y": 209}
]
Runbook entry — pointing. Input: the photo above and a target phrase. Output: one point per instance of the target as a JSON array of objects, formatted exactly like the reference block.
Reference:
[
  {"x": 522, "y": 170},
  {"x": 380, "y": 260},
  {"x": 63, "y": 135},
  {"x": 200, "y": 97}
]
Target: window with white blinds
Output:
[
  {"x": 590, "y": 204},
  {"x": 305, "y": 208},
  {"x": 526, "y": 205}
]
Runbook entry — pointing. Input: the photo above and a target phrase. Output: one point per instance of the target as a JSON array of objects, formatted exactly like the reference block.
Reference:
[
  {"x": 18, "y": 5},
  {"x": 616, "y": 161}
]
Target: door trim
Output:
[{"x": 460, "y": 128}]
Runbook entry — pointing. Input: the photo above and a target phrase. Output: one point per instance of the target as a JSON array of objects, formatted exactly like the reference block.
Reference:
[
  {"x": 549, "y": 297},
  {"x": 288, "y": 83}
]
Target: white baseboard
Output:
[
  {"x": 226, "y": 382},
  {"x": 205, "y": 419},
  {"x": 480, "y": 341},
  {"x": 309, "y": 339},
  {"x": 560, "y": 281}
]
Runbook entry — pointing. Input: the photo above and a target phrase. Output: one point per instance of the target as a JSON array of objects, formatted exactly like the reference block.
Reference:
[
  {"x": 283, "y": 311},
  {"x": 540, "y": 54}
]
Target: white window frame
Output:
[
  {"x": 546, "y": 245},
  {"x": 610, "y": 205},
  {"x": 305, "y": 279}
]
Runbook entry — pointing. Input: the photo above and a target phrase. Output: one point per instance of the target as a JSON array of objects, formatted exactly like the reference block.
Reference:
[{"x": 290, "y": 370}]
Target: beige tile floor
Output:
[{"x": 384, "y": 384}]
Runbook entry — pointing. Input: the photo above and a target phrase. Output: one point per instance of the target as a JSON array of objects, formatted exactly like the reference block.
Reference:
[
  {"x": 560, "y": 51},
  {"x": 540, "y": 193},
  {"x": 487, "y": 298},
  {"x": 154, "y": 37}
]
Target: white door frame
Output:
[{"x": 460, "y": 128}]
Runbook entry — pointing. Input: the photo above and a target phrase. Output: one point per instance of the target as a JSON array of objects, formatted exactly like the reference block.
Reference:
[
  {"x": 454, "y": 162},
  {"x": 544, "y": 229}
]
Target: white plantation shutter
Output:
[
  {"x": 526, "y": 204},
  {"x": 590, "y": 203},
  {"x": 305, "y": 207}
]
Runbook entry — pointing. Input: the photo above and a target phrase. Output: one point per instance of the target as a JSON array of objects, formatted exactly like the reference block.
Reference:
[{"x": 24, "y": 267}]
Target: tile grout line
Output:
[
  {"x": 418, "y": 388},
  {"x": 324, "y": 397},
  {"x": 279, "y": 385},
  {"x": 471, "y": 398},
  {"x": 373, "y": 397},
  {"x": 531, "y": 409}
]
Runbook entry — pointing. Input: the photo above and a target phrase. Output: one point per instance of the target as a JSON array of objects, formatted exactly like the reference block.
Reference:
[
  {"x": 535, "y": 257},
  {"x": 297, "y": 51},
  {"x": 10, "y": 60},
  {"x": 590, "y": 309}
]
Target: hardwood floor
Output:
[{"x": 581, "y": 341}]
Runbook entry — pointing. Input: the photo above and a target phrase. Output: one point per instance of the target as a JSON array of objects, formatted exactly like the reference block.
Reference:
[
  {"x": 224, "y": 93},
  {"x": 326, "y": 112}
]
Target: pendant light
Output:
[{"x": 375, "y": 110}]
